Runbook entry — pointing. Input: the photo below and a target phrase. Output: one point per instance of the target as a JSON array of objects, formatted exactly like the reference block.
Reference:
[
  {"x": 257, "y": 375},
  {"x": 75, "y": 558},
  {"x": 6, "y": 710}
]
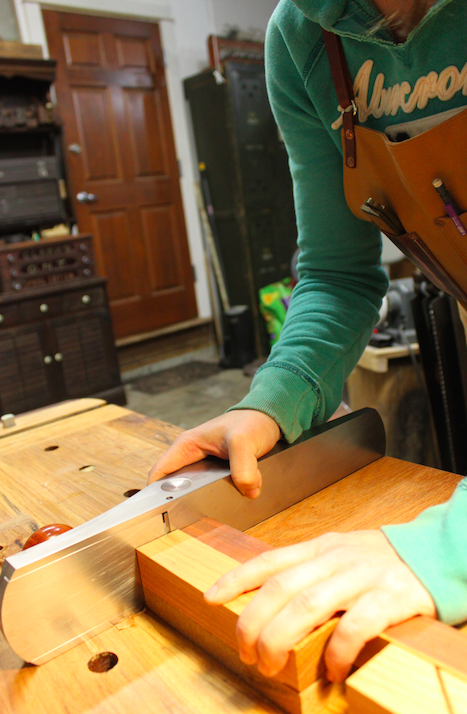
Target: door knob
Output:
[
  {"x": 85, "y": 197},
  {"x": 75, "y": 149}
]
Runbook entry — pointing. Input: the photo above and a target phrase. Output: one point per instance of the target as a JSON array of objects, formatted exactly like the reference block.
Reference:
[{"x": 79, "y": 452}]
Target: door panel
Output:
[
  {"x": 158, "y": 222},
  {"x": 112, "y": 97},
  {"x": 134, "y": 52},
  {"x": 94, "y": 118},
  {"x": 145, "y": 132},
  {"x": 84, "y": 49},
  {"x": 122, "y": 283}
]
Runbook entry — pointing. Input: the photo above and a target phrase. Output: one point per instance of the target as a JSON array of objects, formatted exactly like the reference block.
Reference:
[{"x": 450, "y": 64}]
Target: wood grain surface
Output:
[
  {"x": 158, "y": 671},
  {"x": 386, "y": 491},
  {"x": 398, "y": 682},
  {"x": 71, "y": 470},
  {"x": 46, "y": 415},
  {"x": 178, "y": 568}
]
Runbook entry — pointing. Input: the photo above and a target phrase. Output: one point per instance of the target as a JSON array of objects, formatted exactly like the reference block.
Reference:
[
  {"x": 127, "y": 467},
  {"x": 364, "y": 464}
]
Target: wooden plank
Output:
[
  {"x": 46, "y": 415},
  {"x": 396, "y": 681},
  {"x": 180, "y": 567},
  {"x": 20, "y": 50},
  {"x": 387, "y": 491},
  {"x": 432, "y": 640}
]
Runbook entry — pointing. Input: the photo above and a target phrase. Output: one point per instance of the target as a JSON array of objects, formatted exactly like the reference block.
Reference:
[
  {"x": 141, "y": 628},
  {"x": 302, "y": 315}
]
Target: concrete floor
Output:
[{"x": 192, "y": 404}]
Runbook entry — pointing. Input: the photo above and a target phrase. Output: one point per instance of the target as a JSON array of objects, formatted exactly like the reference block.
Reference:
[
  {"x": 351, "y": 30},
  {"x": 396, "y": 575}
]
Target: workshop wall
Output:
[
  {"x": 196, "y": 19},
  {"x": 185, "y": 26}
]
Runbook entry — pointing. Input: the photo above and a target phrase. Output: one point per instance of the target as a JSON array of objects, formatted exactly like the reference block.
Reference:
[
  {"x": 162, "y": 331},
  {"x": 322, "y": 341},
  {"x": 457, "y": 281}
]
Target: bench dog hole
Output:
[
  {"x": 50, "y": 448},
  {"x": 88, "y": 467},
  {"x": 131, "y": 492},
  {"x": 102, "y": 662}
]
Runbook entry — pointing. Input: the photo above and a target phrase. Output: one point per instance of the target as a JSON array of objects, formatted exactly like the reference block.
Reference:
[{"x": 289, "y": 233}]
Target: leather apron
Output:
[{"x": 400, "y": 175}]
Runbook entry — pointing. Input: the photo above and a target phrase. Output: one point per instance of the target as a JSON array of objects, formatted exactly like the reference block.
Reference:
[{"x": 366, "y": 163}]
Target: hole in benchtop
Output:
[
  {"x": 50, "y": 448},
  {"x": 88, "y": 467},
  {"x": 102, "y": 662},
  {"x": 131, "y": 492}
]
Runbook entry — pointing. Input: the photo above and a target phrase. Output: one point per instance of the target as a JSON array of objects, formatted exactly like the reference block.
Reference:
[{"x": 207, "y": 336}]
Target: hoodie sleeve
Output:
[
  {"x": 434, "y": 546},
  {"x": 335, "y": 305}
]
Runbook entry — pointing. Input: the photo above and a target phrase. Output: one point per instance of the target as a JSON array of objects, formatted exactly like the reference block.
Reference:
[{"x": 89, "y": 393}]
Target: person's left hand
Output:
[{"x": 303, "y": 586}]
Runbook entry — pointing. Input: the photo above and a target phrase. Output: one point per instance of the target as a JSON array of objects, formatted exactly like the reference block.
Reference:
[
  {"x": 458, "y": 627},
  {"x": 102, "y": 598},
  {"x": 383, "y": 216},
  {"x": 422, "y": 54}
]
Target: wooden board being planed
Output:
[{"x": 177, "y": 569}]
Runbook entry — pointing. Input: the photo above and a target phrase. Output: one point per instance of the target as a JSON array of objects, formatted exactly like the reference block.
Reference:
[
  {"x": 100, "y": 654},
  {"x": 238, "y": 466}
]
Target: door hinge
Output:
[
  {"x": 193, "y": 270},
  {"x": 180, "y": 170}
]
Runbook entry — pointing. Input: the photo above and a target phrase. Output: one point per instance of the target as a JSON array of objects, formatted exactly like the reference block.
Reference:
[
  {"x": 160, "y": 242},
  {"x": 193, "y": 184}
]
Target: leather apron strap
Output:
[{"x": 345, "y": 95}]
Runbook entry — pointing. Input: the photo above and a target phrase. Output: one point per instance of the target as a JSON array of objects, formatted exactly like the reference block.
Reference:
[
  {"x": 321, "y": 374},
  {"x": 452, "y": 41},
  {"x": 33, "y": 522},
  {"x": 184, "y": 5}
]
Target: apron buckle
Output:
[{"x": 351, "y": 108}]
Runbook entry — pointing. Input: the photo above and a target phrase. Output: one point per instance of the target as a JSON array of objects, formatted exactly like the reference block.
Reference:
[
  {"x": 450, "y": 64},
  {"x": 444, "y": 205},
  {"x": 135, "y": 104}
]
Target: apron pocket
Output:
[
  {"x": 415, "y": 249},
  {"x": 448, "y": 230}
]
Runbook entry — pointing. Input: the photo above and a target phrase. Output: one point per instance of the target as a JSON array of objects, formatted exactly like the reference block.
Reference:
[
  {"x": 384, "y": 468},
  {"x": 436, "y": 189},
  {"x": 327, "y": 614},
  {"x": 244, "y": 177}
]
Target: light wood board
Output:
[
  {"x": 32, "y": 419},
  {"x": 178, "y": 568},
  {"x": 398, "y": 682},
  {"x": 376, "y": 359}
]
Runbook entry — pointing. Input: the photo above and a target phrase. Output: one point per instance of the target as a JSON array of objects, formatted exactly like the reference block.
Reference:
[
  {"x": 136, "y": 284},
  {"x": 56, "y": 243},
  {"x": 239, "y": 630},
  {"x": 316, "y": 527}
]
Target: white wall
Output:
[{"x": 185, "y": 26}]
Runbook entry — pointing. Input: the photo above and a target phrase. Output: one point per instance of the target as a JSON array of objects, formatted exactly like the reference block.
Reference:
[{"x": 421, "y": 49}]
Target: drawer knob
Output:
[
  {"x": 58, "y": 357},
  {"x": 1, "y": 318},
  {"x": 48, "y": 359},
  {"x": 44, "y": 307},
  {"x": 86, "y": 299}
]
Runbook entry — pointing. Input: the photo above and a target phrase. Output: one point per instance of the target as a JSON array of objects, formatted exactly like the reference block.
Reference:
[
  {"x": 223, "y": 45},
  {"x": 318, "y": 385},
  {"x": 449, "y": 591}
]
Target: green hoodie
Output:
[{"x": 335, "y": 305}]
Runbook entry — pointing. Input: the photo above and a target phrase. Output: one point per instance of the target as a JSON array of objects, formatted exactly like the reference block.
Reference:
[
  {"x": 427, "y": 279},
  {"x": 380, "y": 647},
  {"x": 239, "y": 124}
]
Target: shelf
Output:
[
  {"x": 376, "y": 359},
  {"x": 42, "y": 70}
]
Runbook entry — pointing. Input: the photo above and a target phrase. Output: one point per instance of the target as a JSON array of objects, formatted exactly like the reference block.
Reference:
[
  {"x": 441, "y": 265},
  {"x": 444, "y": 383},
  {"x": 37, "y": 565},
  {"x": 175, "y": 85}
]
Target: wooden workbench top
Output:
[{"x": 74, "y": 467}]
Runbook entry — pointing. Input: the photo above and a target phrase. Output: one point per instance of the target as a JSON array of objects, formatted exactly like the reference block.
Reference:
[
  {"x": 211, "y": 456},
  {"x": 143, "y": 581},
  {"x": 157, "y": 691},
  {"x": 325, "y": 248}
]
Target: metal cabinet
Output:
[{"x": 250, "y": 184}]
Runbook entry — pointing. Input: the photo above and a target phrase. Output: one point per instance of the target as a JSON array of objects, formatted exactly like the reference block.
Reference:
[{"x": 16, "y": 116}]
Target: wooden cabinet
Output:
[{"x": 57, "y": 345}]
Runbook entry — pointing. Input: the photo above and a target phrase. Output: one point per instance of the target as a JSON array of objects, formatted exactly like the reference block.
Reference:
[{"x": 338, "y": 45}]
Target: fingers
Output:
[
  {"x": 371, "y": 614},
  {"x": 183, "y": 452},
  {"x": 255, "y": 572},
  {"x": 244, "y": 468},
  {"x": 306, "y": 610},
  {"x": 275, "y": 603},
  {"x": 241, "y": 436}
]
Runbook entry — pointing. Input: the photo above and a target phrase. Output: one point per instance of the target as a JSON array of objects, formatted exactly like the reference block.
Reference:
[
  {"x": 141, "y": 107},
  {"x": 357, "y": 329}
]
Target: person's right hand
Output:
[{"x": 241, "y": 436}]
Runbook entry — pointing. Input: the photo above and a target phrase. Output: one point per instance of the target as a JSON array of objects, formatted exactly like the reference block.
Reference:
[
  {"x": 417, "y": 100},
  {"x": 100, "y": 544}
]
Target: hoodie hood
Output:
[
  {"x": 346, "y": 17},
  {"x": 324, "y": 12}
]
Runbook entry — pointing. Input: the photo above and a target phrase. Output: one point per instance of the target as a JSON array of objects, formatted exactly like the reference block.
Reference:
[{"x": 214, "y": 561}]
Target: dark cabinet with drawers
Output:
[{"x": 57, "y": 345}]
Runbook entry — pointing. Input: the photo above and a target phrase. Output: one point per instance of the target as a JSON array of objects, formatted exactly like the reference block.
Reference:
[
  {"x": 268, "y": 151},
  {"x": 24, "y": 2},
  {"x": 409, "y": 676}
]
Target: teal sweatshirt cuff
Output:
[
  {"x": 287, "y": 396},
  {"x": 434, "y": 546}
]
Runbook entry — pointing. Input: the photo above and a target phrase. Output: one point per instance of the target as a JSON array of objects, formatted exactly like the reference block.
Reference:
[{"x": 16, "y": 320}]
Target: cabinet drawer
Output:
[
  {"x": 83, "y": 299},
  {"x": 45, "y": 307},
  {"x": 9, "y": 315}
]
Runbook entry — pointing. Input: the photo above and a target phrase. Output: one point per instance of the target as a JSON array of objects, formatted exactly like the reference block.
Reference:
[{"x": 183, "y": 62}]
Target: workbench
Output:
[{"x": 69, "y": 463}]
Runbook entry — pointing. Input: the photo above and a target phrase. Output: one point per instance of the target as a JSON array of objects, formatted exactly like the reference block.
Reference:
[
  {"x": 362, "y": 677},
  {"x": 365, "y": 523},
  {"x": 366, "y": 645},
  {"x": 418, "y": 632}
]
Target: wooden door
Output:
[{"x": 120, "y": 155}]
